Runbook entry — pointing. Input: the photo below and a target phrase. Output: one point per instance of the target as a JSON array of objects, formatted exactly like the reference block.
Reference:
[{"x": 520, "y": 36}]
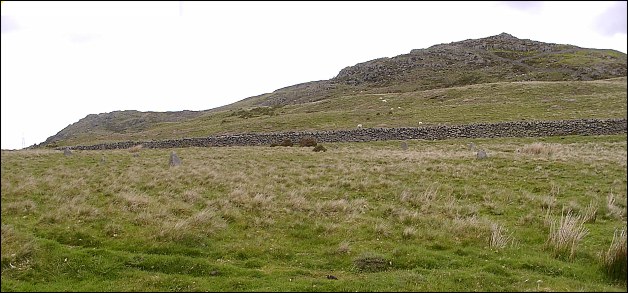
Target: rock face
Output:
[{"x": 477, "y": 130}]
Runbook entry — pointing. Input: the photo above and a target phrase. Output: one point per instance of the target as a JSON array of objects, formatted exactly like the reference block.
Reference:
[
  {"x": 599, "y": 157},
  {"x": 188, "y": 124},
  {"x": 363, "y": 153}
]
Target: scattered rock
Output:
[
  {"x": 214, "y": 273},
  {"x": 472, "y": 146},
  {"x": 67, "y": 152},
  {"x": 174, "y": 160},
  {"x": 482, "y": 155},
  {"x": 404, "y": 145}
]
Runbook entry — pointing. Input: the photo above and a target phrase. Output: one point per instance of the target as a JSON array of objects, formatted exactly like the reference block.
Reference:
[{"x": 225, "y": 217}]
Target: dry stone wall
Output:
[{"x": 476, "y": 130}]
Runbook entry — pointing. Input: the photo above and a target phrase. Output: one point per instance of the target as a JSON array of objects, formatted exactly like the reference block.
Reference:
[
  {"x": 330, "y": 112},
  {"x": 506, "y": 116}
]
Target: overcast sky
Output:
[{"x": 62, "y": 61}]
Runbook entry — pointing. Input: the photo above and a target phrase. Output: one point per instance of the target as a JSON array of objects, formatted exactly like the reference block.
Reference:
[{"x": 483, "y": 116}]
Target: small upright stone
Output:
[
  {"x": 482, "y": 155},
  {"x": 67, "y": 152},
  {"x": 174, "y": 160},
  {"x": 404, "y": 145}
]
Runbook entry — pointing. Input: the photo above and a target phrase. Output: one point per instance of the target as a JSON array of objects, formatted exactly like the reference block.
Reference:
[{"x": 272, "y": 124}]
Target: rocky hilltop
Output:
[{"x": 497, "y": 58}]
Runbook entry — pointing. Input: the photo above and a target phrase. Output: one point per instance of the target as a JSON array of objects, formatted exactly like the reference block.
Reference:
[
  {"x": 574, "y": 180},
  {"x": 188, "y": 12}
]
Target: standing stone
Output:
[
  {"x": 174, "y": 160},
  {"x": 404, "y": 145},
  {"x": 482, "y": 155},
  {"x": 67, "y": 152}
]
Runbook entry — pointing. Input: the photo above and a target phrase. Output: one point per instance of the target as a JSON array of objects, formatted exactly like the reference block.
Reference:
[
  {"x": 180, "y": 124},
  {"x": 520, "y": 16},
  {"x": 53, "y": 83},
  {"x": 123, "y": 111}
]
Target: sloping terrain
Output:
[{"x": 482, "y": 103}]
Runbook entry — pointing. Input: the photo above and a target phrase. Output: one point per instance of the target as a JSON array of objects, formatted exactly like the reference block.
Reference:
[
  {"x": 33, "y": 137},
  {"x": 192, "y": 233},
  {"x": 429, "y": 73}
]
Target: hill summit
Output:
[{"x": 496, "y": 58}]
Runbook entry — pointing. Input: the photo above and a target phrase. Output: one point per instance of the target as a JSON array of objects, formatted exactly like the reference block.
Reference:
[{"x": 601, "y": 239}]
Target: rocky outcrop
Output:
[
  {"x": 497, "y": 58},
  {"x": 439, "y": 132}
]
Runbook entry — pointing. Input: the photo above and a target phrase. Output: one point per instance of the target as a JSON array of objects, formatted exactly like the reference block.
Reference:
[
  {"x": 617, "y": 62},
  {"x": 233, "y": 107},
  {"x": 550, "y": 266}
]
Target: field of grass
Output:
[
  {"x": 494, "y": 102},
  {"x": 539, "y": 214}
]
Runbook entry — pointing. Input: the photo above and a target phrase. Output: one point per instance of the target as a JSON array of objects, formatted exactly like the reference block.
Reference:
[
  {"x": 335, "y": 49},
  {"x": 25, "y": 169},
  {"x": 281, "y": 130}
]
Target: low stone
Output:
[
  {"x": 174, "y": 160},
  {"x": 482, "y": 155}
]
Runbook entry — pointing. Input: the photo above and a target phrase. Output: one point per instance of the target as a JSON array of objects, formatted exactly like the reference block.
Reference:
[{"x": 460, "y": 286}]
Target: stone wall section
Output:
[{"x": 438, "y": 132}]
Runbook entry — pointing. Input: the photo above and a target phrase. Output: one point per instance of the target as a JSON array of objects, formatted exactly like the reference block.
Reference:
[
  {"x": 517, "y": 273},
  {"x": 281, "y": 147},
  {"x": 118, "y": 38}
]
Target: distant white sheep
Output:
[
  {"x": 420, "y": 122},
  {"x": 359, "y": 125},
  {"x": 384, "y": 101}
]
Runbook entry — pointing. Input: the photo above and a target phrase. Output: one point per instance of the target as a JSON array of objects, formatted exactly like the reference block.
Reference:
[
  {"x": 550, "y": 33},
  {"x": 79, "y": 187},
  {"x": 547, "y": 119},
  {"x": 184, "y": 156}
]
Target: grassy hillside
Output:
[
  {"x": 491, "y": 63},
  {"x": 493, "y": 102},
  {"x": 375, "y": 217}
]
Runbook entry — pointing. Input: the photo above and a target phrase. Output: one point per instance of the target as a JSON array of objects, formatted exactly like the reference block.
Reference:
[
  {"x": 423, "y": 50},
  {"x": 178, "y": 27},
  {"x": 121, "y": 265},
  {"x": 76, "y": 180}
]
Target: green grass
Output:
[
  {"x": 378, "y": 218},
  {"x": 494, "y": 102}
]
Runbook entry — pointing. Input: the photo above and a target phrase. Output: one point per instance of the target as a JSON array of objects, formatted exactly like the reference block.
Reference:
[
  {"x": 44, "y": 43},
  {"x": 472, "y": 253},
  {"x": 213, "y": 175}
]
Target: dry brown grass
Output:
[
  {"x": 471, "y": 228},
  {"x": 613, "y": 210},
  {"x": 540, "y": 148},
  {"x": 498, "y": 238},
  {"x": 22, "y": 207},
  {"x": 409, "y": 232},
  {"x": 590, "y": 212},
  {"x": 421, "y": 199},
  {"x": 382, "y": 229},
  {"x": 135, "y": 148},
  {"x": 343, "y": 248},
  {"x": 565, "y": 236},
  {"x": 198, "y": 226}
]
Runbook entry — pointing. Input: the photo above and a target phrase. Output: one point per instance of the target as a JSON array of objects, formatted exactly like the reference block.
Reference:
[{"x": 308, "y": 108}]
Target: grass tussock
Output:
[
  {"x": 343, "y": 248},
  {"x": 17, "y": 249},
  {"x": 371, "y": 263},
  {"x": 197, "y": 227},
  {"x": 542, "y": 149},
  {"x": 590, "y": 212},
  {"x": 615, "y": 258},
  {"x": 614, "y": 208},
  {"x": 499, "y": 239},
  {"x": 565, "y": 235},
  {"x": 136, "y": 148},
  {"x": 409, "y": 233}
]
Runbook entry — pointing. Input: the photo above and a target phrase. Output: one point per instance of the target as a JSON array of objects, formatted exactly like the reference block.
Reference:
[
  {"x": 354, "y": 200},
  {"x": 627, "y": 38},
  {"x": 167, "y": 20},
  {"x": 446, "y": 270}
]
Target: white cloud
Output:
[{"x": 64, "y": 60}]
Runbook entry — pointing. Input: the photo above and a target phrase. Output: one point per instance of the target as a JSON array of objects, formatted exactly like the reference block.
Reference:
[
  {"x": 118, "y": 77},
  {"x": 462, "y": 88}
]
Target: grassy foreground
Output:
[{"x": 376, "y": 217}]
